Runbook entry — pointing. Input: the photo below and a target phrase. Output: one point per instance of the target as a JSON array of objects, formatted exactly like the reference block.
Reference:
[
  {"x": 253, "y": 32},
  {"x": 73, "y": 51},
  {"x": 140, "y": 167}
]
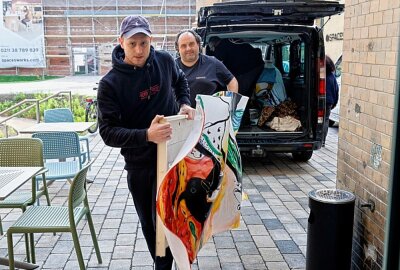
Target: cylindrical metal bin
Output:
[{"x": 330, "y": 229}]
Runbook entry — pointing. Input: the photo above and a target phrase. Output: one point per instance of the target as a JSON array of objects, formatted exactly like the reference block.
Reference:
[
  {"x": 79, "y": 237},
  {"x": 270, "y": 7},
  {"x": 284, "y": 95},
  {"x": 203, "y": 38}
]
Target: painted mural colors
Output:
[{"x": 201, "y": 193}]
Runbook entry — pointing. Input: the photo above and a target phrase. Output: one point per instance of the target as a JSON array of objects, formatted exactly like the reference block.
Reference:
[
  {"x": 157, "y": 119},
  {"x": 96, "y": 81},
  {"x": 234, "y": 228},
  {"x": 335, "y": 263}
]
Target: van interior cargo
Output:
[{"x": 280, "y": 100}]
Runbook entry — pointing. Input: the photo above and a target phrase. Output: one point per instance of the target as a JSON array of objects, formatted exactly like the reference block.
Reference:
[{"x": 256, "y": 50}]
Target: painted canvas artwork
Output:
[{"x": 201, "y": 192}]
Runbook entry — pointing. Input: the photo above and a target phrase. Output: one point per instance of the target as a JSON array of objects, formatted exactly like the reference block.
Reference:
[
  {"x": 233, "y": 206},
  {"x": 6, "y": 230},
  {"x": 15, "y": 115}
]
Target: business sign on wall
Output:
[
  {"x": 334, "y": 36},
  {"x": 21, "y": 34}
]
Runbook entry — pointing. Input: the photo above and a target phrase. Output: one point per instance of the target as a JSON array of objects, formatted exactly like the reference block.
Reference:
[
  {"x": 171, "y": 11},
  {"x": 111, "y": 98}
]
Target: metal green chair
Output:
[
  {"x": 23, "y": 152},
  {"x": 65, "y": 115},
  {"x": 43, "y": 219}
]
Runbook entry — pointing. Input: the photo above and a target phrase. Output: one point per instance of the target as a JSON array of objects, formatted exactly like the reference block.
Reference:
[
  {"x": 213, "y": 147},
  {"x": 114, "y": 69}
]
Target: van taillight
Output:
[
  {"x": 322, "y": 74},
  {"x": 321, "y": 114}
]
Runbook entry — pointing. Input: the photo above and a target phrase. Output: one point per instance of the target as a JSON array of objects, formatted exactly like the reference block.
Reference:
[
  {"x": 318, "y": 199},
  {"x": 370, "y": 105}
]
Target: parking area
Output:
[{"x": 272, "y": 234}]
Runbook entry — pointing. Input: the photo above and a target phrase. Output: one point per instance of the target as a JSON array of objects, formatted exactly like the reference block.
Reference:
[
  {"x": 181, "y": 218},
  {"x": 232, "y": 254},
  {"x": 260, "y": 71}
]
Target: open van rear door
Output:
[{"x": 301, "y": 12}]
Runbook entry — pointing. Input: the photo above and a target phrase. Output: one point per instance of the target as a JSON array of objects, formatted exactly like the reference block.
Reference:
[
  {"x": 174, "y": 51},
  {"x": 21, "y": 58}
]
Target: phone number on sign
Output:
[{"x": 16, "y": 50}]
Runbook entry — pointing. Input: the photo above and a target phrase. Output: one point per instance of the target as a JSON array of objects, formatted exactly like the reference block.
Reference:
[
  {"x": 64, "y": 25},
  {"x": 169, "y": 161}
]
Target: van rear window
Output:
[{"x": 291, "y": 54}]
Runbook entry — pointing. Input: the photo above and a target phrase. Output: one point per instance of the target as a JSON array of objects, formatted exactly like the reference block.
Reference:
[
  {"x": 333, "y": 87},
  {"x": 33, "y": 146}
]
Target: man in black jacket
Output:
[{"x": 132, "y": 98}]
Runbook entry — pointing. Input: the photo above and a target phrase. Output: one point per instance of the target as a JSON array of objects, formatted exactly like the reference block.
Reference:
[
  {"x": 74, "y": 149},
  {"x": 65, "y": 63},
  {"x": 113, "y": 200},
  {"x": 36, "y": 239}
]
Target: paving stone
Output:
[
  {"x": 299, "y": 213},
  {"x": 71, "y": 265},
  {"x": 224, "y": 242},
  {"x": 263, "y": 241},
  {"x": 123, "y": 252},
  {"x": 228, "y": 255},
  {"x": 111, "y": 223},
  {"x": 294, "y": 228},
  {"x": 266, "y": 214},
  {"x": 277, "y": 266},
  {"x": 303, "y": 222},
  {"x": 252, "y": 219},
  {"x": 261, "y": 206},
  {"x": 280, "y": 209},
  {"x": 286, "y": 198},
  {"x": 142, "y": 259},
  {"x": 241, "y": 236},
  {"x": 56, "y": 261},
  {"x": 248, "y": 211},
  {"x": 263, "y": 187},
  {"x": 246, "y": 248},
  {"x": 253, "y": 262},
  {"x": 120, "y": 264},
  {"x": 208, "y": 263},
  {"x": 208, "y": 250},
  {"x": 287, "y": 246},
  {"x": 291, "y": 187},
  {"x": 295, "y": 261},
  {"x": 63, "y": 247},
  {"x": 322, "y": 178},
  {"x": 279, "y": 234},
  {"x": 256, "y": 198},
  {"x": 125, "y": 239},
  {"x": 128, "y": 228},
  {"x": 257, "y": 230},
  {"x": 299, "y": 238},
  {"x": 272, "y": 224},
  {"x": 232, "y": 266}
]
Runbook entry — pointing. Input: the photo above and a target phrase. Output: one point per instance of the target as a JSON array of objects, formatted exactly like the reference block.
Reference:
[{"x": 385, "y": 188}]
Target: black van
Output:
[{"x": 285, "y": 33}]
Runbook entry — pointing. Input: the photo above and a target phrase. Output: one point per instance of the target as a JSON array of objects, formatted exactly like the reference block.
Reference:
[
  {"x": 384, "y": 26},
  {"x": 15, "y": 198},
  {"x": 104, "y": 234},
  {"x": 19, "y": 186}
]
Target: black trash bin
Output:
[{"x": 330, "y": 229}]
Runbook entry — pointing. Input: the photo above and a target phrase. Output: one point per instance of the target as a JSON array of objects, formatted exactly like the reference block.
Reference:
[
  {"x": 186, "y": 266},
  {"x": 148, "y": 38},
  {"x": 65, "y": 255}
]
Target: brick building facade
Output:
[
  {"x": 370, "y": 53},
  {"x": 80, "y": 35}
]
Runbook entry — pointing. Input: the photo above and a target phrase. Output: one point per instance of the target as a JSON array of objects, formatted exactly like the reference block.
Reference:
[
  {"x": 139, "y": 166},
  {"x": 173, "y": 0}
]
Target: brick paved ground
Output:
[{"x": 271, "y": 236}]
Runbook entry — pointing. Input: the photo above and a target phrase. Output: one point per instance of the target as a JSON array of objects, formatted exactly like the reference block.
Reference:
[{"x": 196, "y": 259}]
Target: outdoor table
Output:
[
  {"x": 11, "y": 178},
  {"x": 78, "y": 127}
]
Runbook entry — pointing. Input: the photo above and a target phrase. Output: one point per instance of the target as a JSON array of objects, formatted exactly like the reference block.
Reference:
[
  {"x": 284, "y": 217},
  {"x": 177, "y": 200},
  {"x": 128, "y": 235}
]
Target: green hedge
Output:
[{"x": 78, "y": 104}]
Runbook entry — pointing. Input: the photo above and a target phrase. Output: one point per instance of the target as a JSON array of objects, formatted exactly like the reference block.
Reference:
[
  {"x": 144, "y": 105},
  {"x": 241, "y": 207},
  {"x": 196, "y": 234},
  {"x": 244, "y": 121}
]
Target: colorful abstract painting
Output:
[{"x": 200, "y": 194}]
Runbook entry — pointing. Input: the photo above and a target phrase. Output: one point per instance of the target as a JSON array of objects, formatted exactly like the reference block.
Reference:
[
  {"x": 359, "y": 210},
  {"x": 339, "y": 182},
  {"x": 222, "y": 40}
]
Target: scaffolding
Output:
[{"x": 88, "y": 29}]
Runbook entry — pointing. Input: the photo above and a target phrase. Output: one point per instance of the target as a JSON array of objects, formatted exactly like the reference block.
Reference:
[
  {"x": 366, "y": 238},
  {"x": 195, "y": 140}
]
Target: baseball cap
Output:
[{"x": 133, "y": 24}]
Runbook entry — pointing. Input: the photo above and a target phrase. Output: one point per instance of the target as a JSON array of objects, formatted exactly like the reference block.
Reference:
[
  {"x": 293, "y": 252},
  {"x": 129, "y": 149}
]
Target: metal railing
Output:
[{"x": 37, "y": 103}]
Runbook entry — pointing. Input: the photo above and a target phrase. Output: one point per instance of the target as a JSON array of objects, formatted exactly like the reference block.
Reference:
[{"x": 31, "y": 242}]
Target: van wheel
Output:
[{"x": 302, "y": 156}]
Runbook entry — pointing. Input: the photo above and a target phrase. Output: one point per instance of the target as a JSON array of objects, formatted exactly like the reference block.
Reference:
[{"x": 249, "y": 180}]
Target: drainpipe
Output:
[{"x": 392, "y": 231}]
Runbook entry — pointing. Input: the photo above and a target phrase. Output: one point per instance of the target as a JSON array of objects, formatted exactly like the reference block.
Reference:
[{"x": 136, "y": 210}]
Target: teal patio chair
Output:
[
  {"x": 43, "y": 219},
  {"x": 23, "y": 152},
  {"x": 65, "y": 115},
  {"x": 62, "y": 154}
]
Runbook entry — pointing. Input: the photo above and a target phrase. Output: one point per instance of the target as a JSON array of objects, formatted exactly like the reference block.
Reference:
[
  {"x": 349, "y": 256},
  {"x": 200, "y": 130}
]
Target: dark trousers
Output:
[
  {"x": 142, "y": 184},
  {"x": 326, "y": 123}
]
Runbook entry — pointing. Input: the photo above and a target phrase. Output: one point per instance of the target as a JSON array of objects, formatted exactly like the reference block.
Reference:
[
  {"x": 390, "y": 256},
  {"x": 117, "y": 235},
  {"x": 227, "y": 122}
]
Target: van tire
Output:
[
  {"x": 302, "y": 156},
  {"x": 331, "y": 123}
]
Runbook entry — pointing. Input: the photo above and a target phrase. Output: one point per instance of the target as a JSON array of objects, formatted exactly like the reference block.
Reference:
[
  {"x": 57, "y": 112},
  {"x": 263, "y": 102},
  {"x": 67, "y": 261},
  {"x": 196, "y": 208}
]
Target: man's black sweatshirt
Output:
[{"x": 130, "y": 97}]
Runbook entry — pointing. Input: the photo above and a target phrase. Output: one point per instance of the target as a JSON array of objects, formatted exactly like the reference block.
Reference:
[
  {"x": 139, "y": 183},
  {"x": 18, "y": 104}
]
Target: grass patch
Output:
[{"x": 16, "y": 78}]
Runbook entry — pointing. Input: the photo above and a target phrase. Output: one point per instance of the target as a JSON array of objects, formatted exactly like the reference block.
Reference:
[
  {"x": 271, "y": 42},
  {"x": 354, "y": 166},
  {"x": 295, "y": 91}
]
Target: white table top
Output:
[
  {"x": 11, "y": 178},
  {"x": 58, "y": 127}
]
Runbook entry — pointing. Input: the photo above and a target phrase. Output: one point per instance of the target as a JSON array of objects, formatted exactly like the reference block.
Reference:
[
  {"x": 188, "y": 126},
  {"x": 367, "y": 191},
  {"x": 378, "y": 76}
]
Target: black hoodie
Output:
[{"x": 130, "y": 97}]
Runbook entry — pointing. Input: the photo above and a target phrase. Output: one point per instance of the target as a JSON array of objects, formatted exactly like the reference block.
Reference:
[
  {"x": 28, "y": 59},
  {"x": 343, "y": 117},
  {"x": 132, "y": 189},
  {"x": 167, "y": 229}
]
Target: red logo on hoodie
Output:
[{"x": 147, "y": 93}]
